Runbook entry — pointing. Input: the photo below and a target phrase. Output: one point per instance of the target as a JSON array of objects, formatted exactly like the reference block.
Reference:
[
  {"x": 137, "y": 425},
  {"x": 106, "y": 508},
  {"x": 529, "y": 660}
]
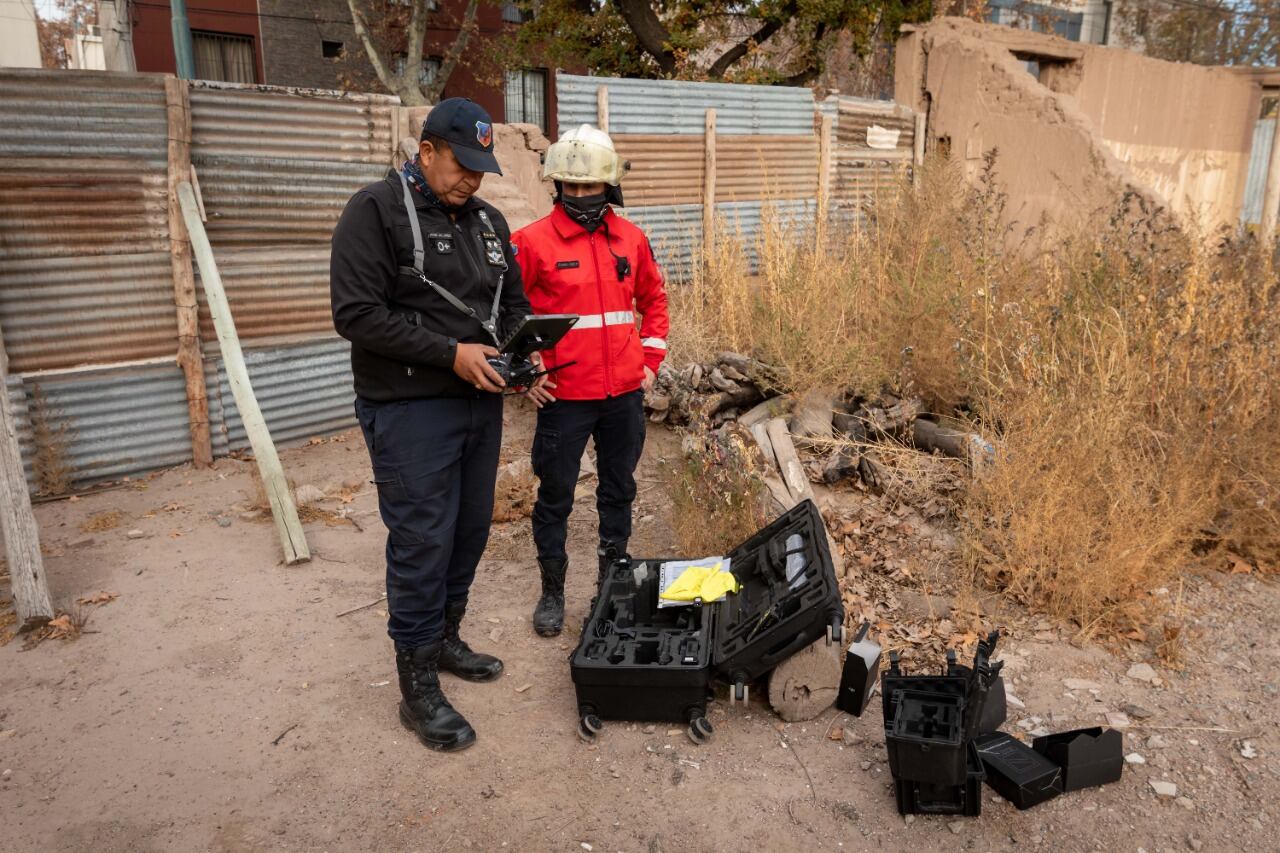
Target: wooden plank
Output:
[
  {"x": 708, "y": 180},
  {"x": 283, "y": 511},
  {"x": 1271, "y": 194},
  {"x": 18, "y": 522},
  {"x": 602, "y": 108},
  {"x": 824, "y": 176},
  {"x": 189, "y": 356}
]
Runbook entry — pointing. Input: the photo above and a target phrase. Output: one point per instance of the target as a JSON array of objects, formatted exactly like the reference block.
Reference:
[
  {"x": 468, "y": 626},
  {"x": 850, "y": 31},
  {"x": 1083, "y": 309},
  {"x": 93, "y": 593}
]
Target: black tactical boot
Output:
[
  {"x": 548, "y": 616},
  {"x": 608, "y": 552},
  {"x": 423, "y": 708},
  {"x": 457, "y": 657}
]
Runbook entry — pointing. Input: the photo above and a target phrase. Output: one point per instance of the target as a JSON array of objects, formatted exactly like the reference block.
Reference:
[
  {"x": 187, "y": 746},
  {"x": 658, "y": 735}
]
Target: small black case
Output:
[
  {"x": 1017, "y": 772},
  {"x": 858, "y": 678},
  {"x": 927, "y": 798},
  {"x": 1088, "y": 757}
]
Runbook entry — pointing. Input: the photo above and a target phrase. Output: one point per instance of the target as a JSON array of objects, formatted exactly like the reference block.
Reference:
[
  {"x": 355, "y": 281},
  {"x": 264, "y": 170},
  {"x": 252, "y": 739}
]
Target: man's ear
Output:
[{"x": 426, "y": 152}]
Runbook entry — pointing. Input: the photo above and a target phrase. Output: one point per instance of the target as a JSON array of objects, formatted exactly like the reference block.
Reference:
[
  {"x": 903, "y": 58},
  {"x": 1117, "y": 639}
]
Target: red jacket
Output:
[{"x": 567, "y": 270}]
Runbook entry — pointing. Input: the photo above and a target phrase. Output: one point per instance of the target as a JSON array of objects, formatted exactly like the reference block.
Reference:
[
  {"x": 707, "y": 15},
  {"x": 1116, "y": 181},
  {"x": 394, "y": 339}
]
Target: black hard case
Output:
[
  {"x": 636, "y": 661},
  {"x": 770, "y": 619},
  {"x": 1088, "y": 757},
  {"x": 1017, "y": 772},
  {"x": 964, "y": 798}
]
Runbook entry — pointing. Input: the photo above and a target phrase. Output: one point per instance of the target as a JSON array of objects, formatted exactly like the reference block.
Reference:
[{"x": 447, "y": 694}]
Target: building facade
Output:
[
  {"x": 314, "y": 45},
  {"x": 19, "y": 37}
]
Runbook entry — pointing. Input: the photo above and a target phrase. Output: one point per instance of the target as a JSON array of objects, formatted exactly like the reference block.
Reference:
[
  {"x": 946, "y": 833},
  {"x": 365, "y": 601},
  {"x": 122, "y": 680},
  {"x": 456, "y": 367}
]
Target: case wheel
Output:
[
  {"x": 700, "y": 730},
  {"x": 589, "y": 725},
  {"x": 739, "y": 693},
  {"x": 835, "y": 634}
]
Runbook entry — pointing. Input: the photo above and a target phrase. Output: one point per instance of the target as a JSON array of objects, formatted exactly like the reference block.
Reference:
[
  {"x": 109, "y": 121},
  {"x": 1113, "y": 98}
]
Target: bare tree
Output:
[{"x": 382, "y": 45}]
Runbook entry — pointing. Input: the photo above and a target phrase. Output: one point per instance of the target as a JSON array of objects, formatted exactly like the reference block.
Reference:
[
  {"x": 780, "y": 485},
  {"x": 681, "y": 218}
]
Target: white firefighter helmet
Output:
[{"x": 584, "y": 155}]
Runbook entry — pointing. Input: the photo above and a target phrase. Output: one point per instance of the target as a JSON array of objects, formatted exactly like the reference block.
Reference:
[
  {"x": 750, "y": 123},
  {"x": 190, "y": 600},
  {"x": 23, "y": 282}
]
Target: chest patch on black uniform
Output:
[
  {"x": 441, "y": 244},
  {"x": 566, "y": 265},
  {"x": 493, "y": 250}
]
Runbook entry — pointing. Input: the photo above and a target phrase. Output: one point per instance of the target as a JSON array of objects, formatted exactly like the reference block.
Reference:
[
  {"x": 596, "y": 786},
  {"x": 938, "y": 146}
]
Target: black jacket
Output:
[{"x": 403, "y": 334}]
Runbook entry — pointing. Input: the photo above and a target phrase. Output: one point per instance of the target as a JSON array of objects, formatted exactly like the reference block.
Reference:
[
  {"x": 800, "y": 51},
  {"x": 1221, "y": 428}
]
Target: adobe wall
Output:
[{"x": 1098, "y": 121}]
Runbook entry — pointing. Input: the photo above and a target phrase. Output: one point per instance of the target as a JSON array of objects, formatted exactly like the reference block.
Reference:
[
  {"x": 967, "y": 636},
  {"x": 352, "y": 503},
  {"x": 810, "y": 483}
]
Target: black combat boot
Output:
[
  {"x": 608, "y": 552},
  {"x": 423, "y": 708},
  {"x": 548, "y": 616},
  {"x": 457, "y": 657}
]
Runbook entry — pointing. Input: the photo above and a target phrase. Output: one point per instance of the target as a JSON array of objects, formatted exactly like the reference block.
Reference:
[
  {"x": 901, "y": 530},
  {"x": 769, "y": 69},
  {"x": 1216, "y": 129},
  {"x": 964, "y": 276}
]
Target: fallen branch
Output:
[
  {"x": 280, "y": 736},
  {"x": 376, "y": 601}
]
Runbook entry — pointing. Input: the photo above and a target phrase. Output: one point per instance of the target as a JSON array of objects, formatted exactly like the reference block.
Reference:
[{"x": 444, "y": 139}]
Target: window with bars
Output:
[
  {"x": 526, "y": 97},
  {"x": 225, "y": 57},
  {"x": 513, "y": 14},
  {"x": 426, "y": 74}
]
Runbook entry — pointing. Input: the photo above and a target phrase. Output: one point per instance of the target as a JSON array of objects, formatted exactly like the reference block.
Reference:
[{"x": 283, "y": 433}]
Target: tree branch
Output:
[
  {"x": 739, "y": 50},
  {"x": 650, "y": 32},
  {"x": 451, "y": 57},
  {"x": 397, "y": 83}
]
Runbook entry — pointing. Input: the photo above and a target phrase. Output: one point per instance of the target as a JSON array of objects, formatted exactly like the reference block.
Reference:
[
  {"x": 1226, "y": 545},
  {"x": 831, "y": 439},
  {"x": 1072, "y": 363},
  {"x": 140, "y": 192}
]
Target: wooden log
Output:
[
  {"x": 274, "y": 482},
  {"x": 805, "y": 684},
  {"x": 17, "y": 520},
  {"x": 774, "y": 407},
  {"x": 824, "y": 176},
  {"x": 189, "y": 357},
  {"x": 917, "y": 149}
]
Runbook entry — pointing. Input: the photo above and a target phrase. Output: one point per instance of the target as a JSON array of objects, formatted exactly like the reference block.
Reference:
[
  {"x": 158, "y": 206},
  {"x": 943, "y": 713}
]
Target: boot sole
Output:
[
  {"x": 452, "y": 746},
  {"x": 480, "y": 679},
  {"x": 549, "y": 632}
]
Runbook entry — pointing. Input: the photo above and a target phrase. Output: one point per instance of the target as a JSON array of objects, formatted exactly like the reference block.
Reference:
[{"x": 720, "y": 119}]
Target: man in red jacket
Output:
[{"x": 583, "y": 259}]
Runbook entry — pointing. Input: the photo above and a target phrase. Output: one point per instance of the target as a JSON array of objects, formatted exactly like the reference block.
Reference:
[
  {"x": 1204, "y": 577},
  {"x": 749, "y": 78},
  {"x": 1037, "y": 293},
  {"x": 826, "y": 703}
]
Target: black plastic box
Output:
[
  {"x": 780, "y": 609},
  {"x": 1088, "y": 757},
  {"x": 1017, "y": 772},
  {"x": 858, "y": 676},
  {"x": 927, "y": 798},
  {"x": 636, "y": 661},
  {"x": 926, "y": 741}
]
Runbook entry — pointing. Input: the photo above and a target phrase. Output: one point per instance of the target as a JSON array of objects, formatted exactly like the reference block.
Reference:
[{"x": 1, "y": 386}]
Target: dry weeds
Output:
[{"x": 1127, "y": 374}]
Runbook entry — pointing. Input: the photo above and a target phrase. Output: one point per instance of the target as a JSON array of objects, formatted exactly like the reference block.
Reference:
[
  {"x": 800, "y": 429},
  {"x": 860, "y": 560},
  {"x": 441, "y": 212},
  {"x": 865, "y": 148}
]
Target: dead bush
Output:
[
  {"x": 717, "y": 492},
  {"x": 1126, "y": 372}
]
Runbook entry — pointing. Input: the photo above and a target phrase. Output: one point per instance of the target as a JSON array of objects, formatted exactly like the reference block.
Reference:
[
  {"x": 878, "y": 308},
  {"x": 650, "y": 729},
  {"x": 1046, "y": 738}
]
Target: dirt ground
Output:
[{"x": 220, "y": 703}]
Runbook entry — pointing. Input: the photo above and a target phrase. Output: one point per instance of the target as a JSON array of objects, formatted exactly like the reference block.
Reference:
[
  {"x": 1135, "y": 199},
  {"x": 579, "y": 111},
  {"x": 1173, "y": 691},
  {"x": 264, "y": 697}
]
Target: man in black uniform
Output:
[{"x": 424, "y": 284}]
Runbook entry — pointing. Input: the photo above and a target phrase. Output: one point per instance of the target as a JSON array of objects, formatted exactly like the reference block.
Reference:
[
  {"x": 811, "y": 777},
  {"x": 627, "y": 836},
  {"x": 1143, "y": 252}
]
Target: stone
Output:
[
  {"x": 1134, "y": 758},
  {"x": 1186, "y": 803},
  {"x": 851, "y": 738},
  {"x": 1117, "y": 720},
  {"x": 1137, "y": 712},
  {"x": 1247, "y": 750},
  {"x": 1014, "y": 701},
  {"x": 956, "y": 827},
  {"x": 1164, "y": 789},
  {"x": 136, "y": 534},
  {"x": 1142, "y": 672},
  {"x": 1081, "y": 684},
  {"x": 224, "y": 522},
  {"x": 307, "y": 494},
  {"x": 1157, "y": 742}
]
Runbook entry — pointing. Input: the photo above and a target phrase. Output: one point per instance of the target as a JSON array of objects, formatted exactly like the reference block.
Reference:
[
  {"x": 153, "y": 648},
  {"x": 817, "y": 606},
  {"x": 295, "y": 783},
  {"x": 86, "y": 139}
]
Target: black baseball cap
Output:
[{"x": 466, "y": 126}]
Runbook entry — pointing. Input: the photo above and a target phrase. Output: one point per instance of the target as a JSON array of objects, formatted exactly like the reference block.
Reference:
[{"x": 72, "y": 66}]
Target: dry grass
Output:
[
  {"x": 102, "y": 521},
  {"x": 1127, "y": 374},
  {"x": 717, "y": 492},
  {"x": 51, "y": 437}
]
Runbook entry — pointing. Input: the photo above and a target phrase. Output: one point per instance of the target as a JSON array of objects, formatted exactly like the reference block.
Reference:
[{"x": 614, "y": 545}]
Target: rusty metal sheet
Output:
[
  {"x": 273, "y": 292},
  {"x": 665, "y": 170},
  {"x": 304, "y": 390},
  {"x": 757, "y": 167},
  {"x": 270, "y": 122},
  {"x": 84, "y": 239}
]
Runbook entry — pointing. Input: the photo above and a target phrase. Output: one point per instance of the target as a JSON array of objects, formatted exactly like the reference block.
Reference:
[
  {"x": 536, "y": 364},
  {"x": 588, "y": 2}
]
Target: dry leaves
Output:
[
  {"x": 98, "y": 598},
  {"x": 102, "y": 521}
]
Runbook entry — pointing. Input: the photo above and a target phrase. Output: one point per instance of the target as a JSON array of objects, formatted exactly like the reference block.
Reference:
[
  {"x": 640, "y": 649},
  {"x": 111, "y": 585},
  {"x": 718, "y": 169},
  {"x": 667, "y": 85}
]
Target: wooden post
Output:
[
  {"x": 190, "y": 359},
  {"x": 917, "y": 153},
  {"x": 1271, "y": 195},
  {"x": 602, "y": 108},
  {"x": 17, "y": 521},
  {"x": 255, "y": 426},
  {"x": 709, "y": 183},
  {"x": 824, "y": 178}
]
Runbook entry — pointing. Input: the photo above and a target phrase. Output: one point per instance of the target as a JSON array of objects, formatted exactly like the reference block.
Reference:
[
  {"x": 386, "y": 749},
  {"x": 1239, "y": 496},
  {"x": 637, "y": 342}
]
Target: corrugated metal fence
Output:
[
  {"x": 86, "y": 282},
  {"x": 85, "y": 274},
  {"x": 767, "y": 154}
]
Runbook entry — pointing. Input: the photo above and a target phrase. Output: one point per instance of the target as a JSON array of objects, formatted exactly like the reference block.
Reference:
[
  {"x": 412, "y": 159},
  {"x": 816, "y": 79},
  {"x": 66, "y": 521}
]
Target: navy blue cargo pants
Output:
[
  {"x": 617, "y": 424},
  {"x": 435, "y": 462}
]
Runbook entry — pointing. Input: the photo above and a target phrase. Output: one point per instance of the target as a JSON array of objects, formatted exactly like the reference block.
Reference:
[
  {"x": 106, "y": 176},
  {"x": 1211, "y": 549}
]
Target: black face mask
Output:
[{"x": 586, "y": 210}]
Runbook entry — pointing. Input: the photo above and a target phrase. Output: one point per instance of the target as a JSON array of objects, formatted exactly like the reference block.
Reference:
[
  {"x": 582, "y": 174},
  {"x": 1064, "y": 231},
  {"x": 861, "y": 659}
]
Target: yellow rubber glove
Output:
[{"x": 708, "y": 583}]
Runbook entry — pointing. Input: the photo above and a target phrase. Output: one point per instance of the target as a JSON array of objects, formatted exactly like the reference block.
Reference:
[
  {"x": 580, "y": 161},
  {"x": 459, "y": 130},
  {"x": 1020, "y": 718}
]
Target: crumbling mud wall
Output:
[
  {"x": 1087, "y": 125},
  {"x": 519, "y": 192}
]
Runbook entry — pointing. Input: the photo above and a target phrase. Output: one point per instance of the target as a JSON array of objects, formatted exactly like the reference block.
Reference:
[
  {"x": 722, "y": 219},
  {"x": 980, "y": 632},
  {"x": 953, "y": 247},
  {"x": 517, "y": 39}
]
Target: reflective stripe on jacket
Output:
[{"x": 567, "y": 270}]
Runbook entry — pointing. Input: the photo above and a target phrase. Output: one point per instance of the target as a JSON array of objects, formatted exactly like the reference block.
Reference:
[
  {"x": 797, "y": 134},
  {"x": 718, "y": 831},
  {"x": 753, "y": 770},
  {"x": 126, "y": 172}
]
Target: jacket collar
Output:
[
  {"x": 420, "y": 201},
  {"x": 566, "y": 227}
]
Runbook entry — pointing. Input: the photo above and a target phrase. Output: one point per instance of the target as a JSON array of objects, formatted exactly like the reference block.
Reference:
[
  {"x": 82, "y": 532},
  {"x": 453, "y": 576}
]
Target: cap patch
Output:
[{"x": 484, "y": 133}]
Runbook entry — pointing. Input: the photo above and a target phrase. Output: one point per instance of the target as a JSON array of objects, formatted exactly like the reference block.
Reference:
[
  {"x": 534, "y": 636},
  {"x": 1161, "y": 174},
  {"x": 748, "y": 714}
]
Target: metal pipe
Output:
[{"x": 183, "y": 52}]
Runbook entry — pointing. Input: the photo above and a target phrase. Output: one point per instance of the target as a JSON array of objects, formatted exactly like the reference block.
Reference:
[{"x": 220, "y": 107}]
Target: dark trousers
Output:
[
  {"x": 617, "y": 425},
  {"x": 435, "y": 462}
]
